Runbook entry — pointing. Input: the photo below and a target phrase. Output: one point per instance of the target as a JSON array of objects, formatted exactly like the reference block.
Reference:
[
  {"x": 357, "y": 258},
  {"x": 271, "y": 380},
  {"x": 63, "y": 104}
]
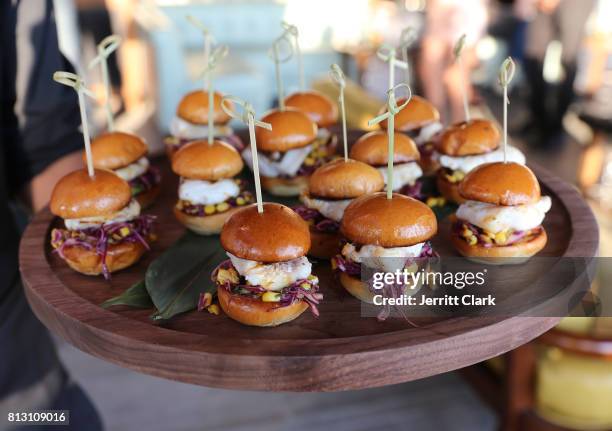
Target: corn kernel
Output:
[
  {"x": 305, "y": 286},
  {"x": 213, "y": 309},
  {"x": 467, "y": 233},
  {"x": 473, "y": 240},
  {"x": 441, "y": 201},
  {"x": 225, "y": 275},
  {"x": 124, "y": 231},
  {"x": 501, "y": 238},
  {"x": 207, "y": 299},
  {"x": 240, "y": 201},
  {"x": 431, "y": 202},
  {"x": 270, "y": 297},
  {"x": 209, "y": 209},
  {"x": 223, "y": 206},
  {"x": 309, "y": 161}
]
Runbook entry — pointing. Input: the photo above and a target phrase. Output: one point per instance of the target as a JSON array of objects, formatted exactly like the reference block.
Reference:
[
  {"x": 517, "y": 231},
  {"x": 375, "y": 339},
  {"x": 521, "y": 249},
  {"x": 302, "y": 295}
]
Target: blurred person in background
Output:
[
  {"x": 441, "y": 77},
  {"x": 549, "y": 21},
  {"x": 39, "y": 126}
]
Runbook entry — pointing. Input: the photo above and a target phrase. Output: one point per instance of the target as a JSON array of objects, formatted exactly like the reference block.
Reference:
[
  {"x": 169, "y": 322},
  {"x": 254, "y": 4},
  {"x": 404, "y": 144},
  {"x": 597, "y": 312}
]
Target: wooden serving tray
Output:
[{"x": 340, "y": 350}]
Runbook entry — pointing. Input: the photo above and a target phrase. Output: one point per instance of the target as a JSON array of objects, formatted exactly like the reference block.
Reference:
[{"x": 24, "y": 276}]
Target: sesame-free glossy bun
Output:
[
  {"x": 450, "y": 191},
  {"x": 89, "y": 262},
  {"x": 317, "y": 106},
  {"x": 290, "y": 129},
  {"x": 417, "y": 113},
  {"x": 277, "y": 234},
  {"x": 501, "y": 183},
  {"x": 340, "y": 179},
  {"x": 193, "y": 108},
  {"x": 373, "y": 149},
  {"x": 253, "y": 312},
  {"x": 200, "y": 161},
  {"x": 505, "y": 255},
  {"x": 206, "y": 224},
  {"x": 116, "y": 150},
  {"x": 468, "y": 138},
  {"x": 397, "y": 222},
  {"x": 285, "y": 187},
  {"x": 324, "y": 245},
  {"x": 357, "y": 288},
  {"x": 77, "y": 195}
]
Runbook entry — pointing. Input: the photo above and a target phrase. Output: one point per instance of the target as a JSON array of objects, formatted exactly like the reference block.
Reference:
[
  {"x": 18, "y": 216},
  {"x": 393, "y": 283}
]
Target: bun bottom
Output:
[
  {"x": 253, "y": 312},
  {"x": 357, "y": 288},
  {"x": 449, "y": 190},
  {"x": 204, "y": 225},
  {"x": 324, "y": 245},
  {"x": 118, "y": 257},
  {"x": 285, "y": 186},
  {"x": 146, "y": 199},
  {"x": 505, "y": 255}
]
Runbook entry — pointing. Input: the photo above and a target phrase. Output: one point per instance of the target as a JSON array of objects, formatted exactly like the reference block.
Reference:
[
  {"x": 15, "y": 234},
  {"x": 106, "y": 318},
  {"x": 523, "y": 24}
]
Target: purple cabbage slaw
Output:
[
  {"x": 319, "y": 221},
  {"x": 199, "y": 210},
  {"x": 413, "y": 191},
  {"x": 145, "y": 182},
  {"x": 99, "y": 238},
  {"x": 289, "y": 294},
  {"x": 515, "y": 237}
]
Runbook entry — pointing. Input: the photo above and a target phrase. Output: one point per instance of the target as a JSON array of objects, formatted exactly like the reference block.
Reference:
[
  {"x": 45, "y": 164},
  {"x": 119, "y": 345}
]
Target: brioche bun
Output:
[
  {"x": 200, "y": 161},
  {"x": 146, "y": 199},
  {"x": 114, "y": 150},
  {"x": 253, "y": 312},
  {"x": 501, "y": 183},
  {"x": 317, "y": 106},
  {"x": 398, "y": 222},
  {"x": 204, "y": 225},
  {"x": 193, "y": 108},
  {"x": 450, "y": 191},
  {"x": 324, "y": 245},
  {"x": 290, "y": 129},
  {"x": 118, "y": 256},
  {"x": 77, "y": 195},
  {"x": 417, "y": 113},
  {"x": 344, "y": 179},
  {"x": 468, "y": 138},
  {"x": 278, "y": 186},
  {"x": 277, "y": 234},
  {"x": 373, "y": 149},
  {"x": 502, "y": 255},
  {"x": 357, "y": 288}
]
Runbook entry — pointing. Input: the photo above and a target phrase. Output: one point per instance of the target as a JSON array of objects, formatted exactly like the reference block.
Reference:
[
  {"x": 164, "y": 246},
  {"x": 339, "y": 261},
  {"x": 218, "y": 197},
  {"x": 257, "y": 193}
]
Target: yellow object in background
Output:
[{"x": 574, "y": 391}]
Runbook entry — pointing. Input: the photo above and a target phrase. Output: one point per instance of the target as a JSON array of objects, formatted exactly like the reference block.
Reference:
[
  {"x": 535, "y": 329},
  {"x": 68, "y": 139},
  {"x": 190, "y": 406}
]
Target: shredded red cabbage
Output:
[
  {"x": 145, "y": 182},
  {"x": 414, "y": 191},
  {"x": 317, "y": 220},
  {"x": 288, "y": 295},
  {"x": 139, "y": 230},
  {"x": 480, "y": 234}
]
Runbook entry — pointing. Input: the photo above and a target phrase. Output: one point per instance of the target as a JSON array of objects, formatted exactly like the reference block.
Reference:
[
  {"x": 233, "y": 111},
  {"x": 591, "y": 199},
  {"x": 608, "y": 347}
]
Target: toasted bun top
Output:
[
  {"x": 398, "y": 222},
  {"x": 501, "y": 183},
  {"x": 468, "y": 138},
  {"x": 417, "y": 113},
  {"x": 317, "y": 106},
  {"x": 116, "y": 150},
  {"x": 277, "y": 234},
  {"x": 373, "y": 149},
  {"x": 290, "y": 129},
  {"x": 340, "y": 179},
  {"x": 199, "y": 161},
  {"x": 193, "y": 107},
  {"x": 77, "y": 195}
]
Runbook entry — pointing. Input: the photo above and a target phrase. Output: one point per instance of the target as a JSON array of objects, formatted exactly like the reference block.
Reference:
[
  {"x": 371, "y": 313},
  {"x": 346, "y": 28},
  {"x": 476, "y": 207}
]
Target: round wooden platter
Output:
[{"x": 340, "y": 350}]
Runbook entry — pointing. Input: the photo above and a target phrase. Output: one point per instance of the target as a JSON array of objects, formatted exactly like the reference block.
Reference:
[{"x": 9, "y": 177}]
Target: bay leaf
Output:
[
  {"x": 177, "y": 277},
  {"x": 136, "y": 296}
]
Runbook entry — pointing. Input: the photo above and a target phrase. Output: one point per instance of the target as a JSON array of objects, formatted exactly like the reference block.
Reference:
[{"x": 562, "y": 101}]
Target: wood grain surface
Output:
[{"x": 340, "y": 350}]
